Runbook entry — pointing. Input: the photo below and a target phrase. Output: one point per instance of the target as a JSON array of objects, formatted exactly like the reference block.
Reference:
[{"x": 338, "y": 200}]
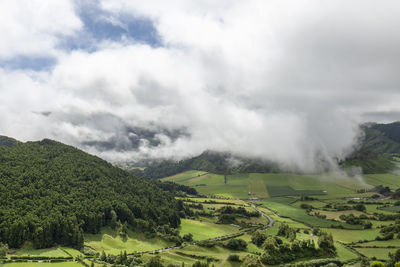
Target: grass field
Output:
[
  {"x": 379, "y": 253},
  {"x": 283, "y": 191},
  {"x": 314, "y": 203},
  {"x": 204, "y": 230},
  {"x": 112, "y": 244},
  {"x": 184, "y": 176},
  {"x": 45, "y": 264},
  {"x": 392, "y": 242},
  {"x": 28, "y": 250},
  {"x": 391, "y": 208},
  {"x": 334, "y": 215},
  {"x": 386, "y": 179},
  {"x": 239, "y": 185},
  {"x": 344, "y": 253},
  {"x": 300, "y": 215},
  {"x": 348, "y": 236}
]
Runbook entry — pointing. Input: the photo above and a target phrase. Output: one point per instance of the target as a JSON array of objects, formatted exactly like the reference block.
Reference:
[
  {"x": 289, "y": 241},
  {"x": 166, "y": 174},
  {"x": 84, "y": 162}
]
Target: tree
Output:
[
  {"x": 155, "y": 262},
  {"x": 258, "y": 238},
  {"x": 124, "y": 230},
  {"x": 394, "y": 258},
  {"x": 325, "y": 243},
  {"x": 188, "y": 237},
  {"x": 3, "y": 249},
  {"x": 103, "y": 256},
  {"x": 236, "y": 244}
]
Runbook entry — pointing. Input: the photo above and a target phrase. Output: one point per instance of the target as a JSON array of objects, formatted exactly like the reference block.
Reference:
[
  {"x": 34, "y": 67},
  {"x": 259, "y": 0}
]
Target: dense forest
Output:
[{"x": 51, "y": 193}]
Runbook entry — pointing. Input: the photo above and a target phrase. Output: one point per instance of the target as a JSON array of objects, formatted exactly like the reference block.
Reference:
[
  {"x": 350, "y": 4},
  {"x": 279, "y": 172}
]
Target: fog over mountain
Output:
[{"x": 288, "y": 81}]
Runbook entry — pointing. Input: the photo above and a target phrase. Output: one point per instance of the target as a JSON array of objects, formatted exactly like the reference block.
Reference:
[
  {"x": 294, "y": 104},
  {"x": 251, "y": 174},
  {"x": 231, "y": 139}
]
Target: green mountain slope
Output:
[
  {"x": 51, "y": 193},
  {"x": 382, "y": 138},
  {"x": 208, "y": 161},
  {"x": 380, "y": 142}
]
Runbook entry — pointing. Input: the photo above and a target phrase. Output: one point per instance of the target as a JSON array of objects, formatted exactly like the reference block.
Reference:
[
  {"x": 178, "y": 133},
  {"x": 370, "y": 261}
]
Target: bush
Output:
[
  {"x": 236, "y": 244},
  {"x": 377, "y": 264},
  {"x": 188, "y": 237},
  {"x": 234, "y": 257}
]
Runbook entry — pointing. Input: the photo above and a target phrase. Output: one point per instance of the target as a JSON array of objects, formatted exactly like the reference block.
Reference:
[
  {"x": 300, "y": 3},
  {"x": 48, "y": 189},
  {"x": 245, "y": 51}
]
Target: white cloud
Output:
[
  {"x": 33, "y": 27},
  {"x": 281, "y": 80}
]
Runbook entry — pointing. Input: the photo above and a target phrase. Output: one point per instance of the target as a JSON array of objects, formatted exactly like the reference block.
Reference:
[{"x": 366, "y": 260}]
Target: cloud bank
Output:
[{"x": 287, "y": 81}]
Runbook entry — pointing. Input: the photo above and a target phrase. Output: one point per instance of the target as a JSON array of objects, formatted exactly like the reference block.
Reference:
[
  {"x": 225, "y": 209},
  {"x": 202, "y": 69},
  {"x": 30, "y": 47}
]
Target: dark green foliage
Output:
[
  {"x": 306, "y": 206},
  {"x": 369, "y": 161},
  {"x": 258, "y": 238},
  {"x": 351, "y": 219},
  {"x": 155, "y": 262},
  {"x": 393, "y": 258},
  {"x": 326, "y": 245},
  {"x": 229, "y": 214},
  {"x": 277, "y": 252},
  {"x": 177, "y": 189},
  {"x": 360, "y": 207},
  {"x": 7, "y": 141},
  {"x": 3, "y": 250},
  {"x": 51, "y": 193},
  {"x": 207, "y": 243},
  {"x": 200, "y": 264},
  {"x": 234, "y": 257},
  {"x": 188, "y": 237},
  {"x": 379, "y": 142},
  {"x": 286, "y": 231},
  {"x": 236, "y": 244}
]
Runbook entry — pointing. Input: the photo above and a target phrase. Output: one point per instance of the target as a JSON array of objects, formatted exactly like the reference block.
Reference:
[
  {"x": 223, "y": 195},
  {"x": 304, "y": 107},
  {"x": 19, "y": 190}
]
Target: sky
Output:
[{"x": 288, "y": 81}]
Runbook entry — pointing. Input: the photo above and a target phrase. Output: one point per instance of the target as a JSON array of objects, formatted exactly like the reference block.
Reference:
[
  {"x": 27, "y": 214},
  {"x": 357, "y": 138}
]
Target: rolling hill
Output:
[{"x": 51, "y": 193}]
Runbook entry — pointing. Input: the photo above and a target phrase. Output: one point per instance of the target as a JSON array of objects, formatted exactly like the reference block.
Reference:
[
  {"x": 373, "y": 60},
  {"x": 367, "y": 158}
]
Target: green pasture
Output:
[
  {"x": 239, "y": 185},
  {"x": 28, "y": 250},
  {"x": 43, "y": 264},
  {"x": 184, "y": 176},
  {"x": 300, "y": 215},
  {"x": 385, "y": 179},
  {"x": 111, "y": 243},
  {"x": 379, "y": 253},
  {"x": 215, "y": 252},
  {"x": 348, "y": 236},
  {"x": 282, "y": 191},
  {"x": 204, "y": 230},
  {"x": 334, "y": 215},
  {"x": 257, "y": 187},
  {"x": 391, "y": 208},
  {"x": 344, "y": 253},
  {"x": 386, "y": 243}
]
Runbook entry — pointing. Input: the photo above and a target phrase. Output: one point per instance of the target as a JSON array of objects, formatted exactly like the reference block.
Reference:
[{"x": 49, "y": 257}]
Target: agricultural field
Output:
[
  {"x": 280, "y": 196},
  {"x": 204, "y": 230},
  {"x": 111, "y": 243},
  {"x": 300, "y": 215},
  {"x": 43, "y": 264},
  {"x": 283, "y": 191}
]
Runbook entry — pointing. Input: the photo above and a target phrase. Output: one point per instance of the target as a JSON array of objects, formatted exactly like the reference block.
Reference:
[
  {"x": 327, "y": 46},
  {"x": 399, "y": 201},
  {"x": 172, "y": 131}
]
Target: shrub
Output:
[
  {"x": 377, "y": 264},
  {"x": 234, "y": 257}
]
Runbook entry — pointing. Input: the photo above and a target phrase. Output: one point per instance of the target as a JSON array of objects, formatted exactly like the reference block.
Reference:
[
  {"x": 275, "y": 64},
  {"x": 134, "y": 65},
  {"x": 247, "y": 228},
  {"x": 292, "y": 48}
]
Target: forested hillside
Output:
[
  {"x": 51, "y": 193},
  {"x": 379, "y": 144},
  {"x": 208, "y": 161}
]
